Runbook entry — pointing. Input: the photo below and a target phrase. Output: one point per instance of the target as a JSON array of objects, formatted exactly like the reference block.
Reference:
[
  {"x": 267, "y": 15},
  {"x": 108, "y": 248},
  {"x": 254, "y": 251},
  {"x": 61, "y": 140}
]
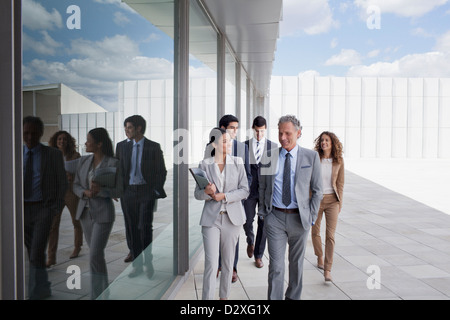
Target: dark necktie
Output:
[
  {"x": 287, "y": 181},
  {"x": 137, "y": 160},
  {"x": 28, "y": 179}
]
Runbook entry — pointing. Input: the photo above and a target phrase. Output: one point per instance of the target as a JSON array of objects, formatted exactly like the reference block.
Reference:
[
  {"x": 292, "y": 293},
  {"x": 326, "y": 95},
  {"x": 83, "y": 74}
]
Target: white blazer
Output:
[{"x": 236, "y": 189}]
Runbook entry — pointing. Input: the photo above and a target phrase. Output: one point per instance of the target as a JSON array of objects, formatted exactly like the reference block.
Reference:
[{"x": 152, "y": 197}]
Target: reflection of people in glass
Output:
[
  {"x": 66, "y": 144},
  {"x": 144, "y": 175},
  {"x": 223, "y": 214},
  {"x": 44, "y": 187},
  {"x": 96, "y": 209},
  {"x": 330, "y": 151}
]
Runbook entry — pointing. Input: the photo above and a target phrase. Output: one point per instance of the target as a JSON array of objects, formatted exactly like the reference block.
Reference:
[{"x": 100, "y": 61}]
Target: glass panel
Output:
[
  {"x": 90, "y": 64},
  {"x": 230, "y": 83},
  {"x": 202, "y": 105}
]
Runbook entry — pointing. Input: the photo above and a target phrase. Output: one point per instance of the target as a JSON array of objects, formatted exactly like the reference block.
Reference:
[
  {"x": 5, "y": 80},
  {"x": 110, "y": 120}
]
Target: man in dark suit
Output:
[
  {"x": 240, "y": 149},
  {"x": 258, "y": 146},
  {"x": 145, "y": 173},
  {"x": 45, "y": 185}
]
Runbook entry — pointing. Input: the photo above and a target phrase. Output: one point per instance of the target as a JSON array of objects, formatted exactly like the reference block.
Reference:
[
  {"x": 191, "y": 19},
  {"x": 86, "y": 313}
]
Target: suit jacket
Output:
[
  {"x": 337, "y": 181},
  {"x": 236, "y": 189},
  {"x": 153, "y": 167},
  {"x": 308, "y": 186},
  {"x": 240, "y": 150},
  {"x": 53, "y": 178},
  {"x": 119, "y": 148},
  {"x": 255, "y": 168},
  {"x": 101, "y": 206}
]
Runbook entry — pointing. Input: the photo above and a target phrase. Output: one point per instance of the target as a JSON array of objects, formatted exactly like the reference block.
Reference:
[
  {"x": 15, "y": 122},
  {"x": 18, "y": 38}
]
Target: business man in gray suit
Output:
[{"x": 290, "y": 192}]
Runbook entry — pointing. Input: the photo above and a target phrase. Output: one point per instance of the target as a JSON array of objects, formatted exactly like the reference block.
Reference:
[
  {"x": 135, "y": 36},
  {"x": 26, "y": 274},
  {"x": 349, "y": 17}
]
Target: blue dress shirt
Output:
[
  {"x": 36, "y": 194},
  {"x": 136, "y": 176}
]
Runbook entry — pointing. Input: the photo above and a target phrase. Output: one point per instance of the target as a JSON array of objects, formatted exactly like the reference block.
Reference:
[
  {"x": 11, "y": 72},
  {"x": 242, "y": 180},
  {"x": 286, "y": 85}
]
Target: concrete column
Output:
[
  {"x": 181, "y": 117},
  {"x": 12, "y": 271}
]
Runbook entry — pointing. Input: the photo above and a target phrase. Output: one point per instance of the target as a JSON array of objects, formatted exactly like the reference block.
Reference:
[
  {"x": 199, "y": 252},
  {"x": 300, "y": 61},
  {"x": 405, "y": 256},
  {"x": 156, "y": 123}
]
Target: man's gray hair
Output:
[{"x": 292, "y": 119}]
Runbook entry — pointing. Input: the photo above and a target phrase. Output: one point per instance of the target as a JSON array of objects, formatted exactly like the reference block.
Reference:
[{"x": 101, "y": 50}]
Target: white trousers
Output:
[{"x": 223, "y": 236}]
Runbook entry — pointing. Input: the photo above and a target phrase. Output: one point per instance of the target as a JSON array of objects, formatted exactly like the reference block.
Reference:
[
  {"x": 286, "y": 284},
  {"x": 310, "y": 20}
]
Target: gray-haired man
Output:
[{"x": 287, "y": 207}]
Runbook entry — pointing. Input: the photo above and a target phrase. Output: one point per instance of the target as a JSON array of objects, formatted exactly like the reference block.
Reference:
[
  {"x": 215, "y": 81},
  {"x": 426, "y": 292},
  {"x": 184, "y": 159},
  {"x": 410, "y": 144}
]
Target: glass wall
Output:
[
  {"x": 230, "y": 82},
  {"x": 202, "y": 105},
  {"x": 90, "y": 64}
]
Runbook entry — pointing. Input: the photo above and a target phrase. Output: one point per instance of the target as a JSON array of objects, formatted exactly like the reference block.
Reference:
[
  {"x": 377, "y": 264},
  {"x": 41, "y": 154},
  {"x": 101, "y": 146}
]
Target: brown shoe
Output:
[
  {"x": 129, "y": 258},
  {"x": 234, "y": 278},
  {"x": 75, "y": 253},
  {"x": 250, "y": 250},
  {"x": 259, "y": 263}
]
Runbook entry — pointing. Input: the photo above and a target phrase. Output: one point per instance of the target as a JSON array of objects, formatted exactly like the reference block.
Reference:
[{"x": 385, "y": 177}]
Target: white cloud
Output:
[
  {"x": 46, "y": 46},
  {"x": 334, "y": 43},
  {"x": 305, "y": 16},
  {"x": 430, "y": 64},
  {"x": 36, "y": 17},
  {"x": 347, "y": 57},
  {"x": 373, "y": 53},
  {"x": 443, "y": 42},
  {"x": 120, "y": 19},
  {"x": 404, "y": 8}
]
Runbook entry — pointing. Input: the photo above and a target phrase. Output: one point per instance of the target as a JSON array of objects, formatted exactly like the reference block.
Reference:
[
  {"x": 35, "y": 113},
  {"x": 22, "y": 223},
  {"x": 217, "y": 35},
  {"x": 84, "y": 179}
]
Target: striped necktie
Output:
[{"x": 258, "y": 153}]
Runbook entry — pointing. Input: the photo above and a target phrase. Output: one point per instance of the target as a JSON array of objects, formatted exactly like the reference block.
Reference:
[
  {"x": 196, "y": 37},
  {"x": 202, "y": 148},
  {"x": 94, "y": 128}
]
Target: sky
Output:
[{"x": 105, "y": 42}]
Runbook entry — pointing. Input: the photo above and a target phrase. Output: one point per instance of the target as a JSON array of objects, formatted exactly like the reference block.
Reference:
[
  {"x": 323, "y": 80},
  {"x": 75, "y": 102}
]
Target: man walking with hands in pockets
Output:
[{"x": 290, "y": 192}]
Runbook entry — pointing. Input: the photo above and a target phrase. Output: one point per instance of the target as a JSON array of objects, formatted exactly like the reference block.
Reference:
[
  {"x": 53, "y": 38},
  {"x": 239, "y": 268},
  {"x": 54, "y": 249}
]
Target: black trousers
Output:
[
  {"x": 260, "y": 241},
  {"x": 37, "y": 224},
  {"x": 138, "y": 213}
]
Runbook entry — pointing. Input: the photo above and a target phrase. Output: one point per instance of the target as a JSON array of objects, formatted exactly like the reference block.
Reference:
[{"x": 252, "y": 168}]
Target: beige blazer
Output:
[
  {"x": 101, "y": 206},
  {"x": 337, "y": 181},
  {"x": 236, "y": 189}
]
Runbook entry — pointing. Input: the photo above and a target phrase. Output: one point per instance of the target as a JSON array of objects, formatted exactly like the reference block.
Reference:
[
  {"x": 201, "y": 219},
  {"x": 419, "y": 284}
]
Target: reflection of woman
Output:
[
  {"x": 223, "y": 214},
  {"x": 96, "y": 209},
  {"x": 66, "y": 144},
  {"x": 330, "y": 151}
]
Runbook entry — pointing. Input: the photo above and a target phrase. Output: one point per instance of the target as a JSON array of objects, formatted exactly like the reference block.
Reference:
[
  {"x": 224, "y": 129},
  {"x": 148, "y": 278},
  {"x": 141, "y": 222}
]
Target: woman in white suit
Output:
[
  {"x": 223, "y": 213},
  {"x": 96, "y": 210}
]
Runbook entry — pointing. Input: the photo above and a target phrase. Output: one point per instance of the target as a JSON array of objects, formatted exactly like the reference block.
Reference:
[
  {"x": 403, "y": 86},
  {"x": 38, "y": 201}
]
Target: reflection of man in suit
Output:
[
  {"x": 239, "y": 149},
  {"x": 289, "y": 200},
  {"x": 45, "y": 184},
  {"x": 119, "y": 149},
  {"x": 144, "y": 177},
  {"x": 257, "y": 146}
]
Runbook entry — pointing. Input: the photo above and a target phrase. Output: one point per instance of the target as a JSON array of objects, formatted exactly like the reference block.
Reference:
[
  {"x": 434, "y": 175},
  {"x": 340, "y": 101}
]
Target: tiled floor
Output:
[{"x": 407, "y": 240}]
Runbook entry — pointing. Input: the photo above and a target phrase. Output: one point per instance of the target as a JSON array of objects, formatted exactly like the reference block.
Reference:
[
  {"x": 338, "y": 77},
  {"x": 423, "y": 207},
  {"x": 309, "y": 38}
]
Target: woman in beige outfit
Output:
[
  {"x": 330, "y": 151},
  {"x": 66, "y": 144}
]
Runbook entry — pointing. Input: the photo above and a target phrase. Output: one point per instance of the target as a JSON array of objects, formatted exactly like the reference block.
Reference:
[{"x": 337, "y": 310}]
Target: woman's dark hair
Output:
[
  {"x": 214, "y": 135},
  {"x": 101, "y": 135},
  {"x": 71, "y": 143}
]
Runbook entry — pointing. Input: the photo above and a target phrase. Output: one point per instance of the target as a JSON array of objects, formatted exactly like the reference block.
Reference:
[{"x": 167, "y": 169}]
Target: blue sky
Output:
[{"x": 322, "y": 37}]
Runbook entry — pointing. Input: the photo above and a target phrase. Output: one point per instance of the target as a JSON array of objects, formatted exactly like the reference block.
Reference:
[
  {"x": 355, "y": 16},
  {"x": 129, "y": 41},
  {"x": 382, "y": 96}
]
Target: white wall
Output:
[{"x": 373, "y": 117}]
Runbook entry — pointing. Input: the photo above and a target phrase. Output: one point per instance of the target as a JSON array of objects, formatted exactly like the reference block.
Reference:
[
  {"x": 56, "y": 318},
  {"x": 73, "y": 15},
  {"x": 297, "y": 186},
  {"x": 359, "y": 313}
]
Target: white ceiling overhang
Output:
[{"x": 251, "y": 28}]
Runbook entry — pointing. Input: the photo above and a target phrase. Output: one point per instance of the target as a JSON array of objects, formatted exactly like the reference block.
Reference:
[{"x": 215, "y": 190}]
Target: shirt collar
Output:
[
  {"x": 293, "y": 152},
  {"x": 140, "y": 142},
  {"x": 35, "y": 149}
]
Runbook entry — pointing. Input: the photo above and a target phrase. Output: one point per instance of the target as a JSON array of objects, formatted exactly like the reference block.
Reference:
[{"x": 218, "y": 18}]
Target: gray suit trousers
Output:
[
  {"x": 97, "y": 235},
  {"x": 281, "y": 229}
]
